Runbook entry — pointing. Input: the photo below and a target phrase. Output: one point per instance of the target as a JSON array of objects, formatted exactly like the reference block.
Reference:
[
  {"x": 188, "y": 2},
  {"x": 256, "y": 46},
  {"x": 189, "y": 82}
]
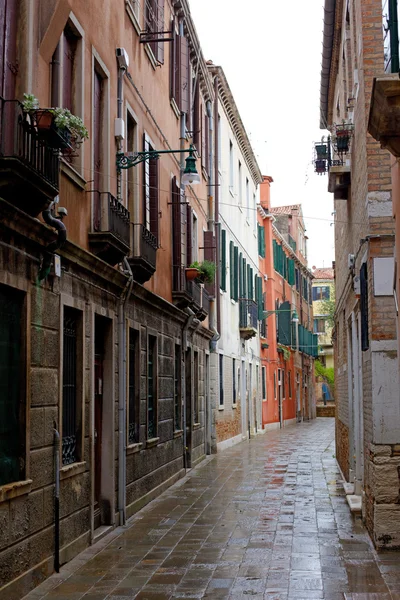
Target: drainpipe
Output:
[
  {"x": 57, "y": 500},
  {"x": 122, "y": 396},
  {"x": 53, "y": 246},
  {"x": 356, "y": 399}
]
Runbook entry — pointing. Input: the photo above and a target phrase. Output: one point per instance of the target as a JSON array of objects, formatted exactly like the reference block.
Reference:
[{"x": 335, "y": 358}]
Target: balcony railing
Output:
[
  {"x": 144, "y": 244},
  {"x": 248, "y": 313},
  {"x": 31, "y": 167},
  {"x": 110, "y": 238},
  {"x": 184, "y": 292},
  {"x": 205, "y": 301}
]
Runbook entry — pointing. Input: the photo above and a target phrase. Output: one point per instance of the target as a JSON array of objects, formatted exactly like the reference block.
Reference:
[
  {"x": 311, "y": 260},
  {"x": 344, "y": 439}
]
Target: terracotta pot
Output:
[
  {"x": 191, "y": 273},
  {"x": 44, "y": 119}
]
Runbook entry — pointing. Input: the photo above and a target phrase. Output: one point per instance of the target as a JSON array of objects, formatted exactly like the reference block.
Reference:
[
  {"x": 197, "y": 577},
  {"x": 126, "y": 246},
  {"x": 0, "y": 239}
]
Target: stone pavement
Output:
[{"x": 266, "y": 519}]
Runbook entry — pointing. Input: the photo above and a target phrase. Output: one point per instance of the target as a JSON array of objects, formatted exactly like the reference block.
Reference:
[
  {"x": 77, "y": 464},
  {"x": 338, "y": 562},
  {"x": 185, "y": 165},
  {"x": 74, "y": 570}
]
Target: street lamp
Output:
[
  {"x": 295, "y": 317},
  {"x": 268, "y": 313},
  {"x": 190, "y": 174}
]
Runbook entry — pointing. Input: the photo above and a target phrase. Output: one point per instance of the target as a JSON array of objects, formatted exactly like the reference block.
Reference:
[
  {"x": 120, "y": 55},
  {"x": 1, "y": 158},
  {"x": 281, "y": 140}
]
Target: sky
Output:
[{"x": 271, "y": 55}]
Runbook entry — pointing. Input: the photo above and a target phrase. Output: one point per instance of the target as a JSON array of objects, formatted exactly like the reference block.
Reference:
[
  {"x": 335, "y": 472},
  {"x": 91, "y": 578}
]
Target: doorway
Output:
[{"x": 188, "y": 406}]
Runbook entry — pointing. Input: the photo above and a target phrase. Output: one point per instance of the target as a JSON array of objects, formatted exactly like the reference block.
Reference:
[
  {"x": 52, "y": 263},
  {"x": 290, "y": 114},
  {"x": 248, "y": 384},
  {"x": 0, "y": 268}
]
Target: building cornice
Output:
[
  {"x": 333, "y": 11},
  {"x": 236, "y": 123}
]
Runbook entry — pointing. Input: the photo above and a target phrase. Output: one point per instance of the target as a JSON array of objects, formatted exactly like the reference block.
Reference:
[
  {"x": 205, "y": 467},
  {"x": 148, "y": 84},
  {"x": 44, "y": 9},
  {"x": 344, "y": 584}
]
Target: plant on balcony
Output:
[
  {"x": 206, "y": 271},
  {"x": 58, "y": 126}
]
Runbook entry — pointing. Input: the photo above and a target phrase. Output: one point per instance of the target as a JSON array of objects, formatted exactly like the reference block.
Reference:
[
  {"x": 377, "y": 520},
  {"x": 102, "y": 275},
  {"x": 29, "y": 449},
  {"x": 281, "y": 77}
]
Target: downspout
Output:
[
  {"x": 122, "y": 396},
  {"x": 53, "y": 246},
  {"x": 211, "y": 209},
  {"x": 216, "y": 204}
]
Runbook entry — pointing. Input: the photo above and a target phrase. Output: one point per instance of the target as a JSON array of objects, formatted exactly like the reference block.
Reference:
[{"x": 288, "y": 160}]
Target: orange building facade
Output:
[{"x": 288, "y": 346}]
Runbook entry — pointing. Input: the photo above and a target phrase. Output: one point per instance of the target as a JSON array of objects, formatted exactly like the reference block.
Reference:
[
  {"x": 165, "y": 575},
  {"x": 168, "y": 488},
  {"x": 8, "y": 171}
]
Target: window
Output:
[
  {"x": 248, "y": 199},
  {"x": 196, "y": 416},
  {"x": 231, "y": 269},
  {"x": 275, "y": 385},
  {"x": 319, "y": 325},
  {"x": 151, "y": 191},
  {"x": 133, "y": 387},
  {"x": 97, "y": 147},
  {"x": 154, "y": 24},
  {"x": 283, "y": 383},
  {"x": 223, "y": 260},
  {"x": 180, "y": 71},
  {"x": 321, "y": 292},
  {"x": 12, "y": 387},
  {"x": 390, "y": 36},
  {"x": 231, "y": 176},
  {"x": 289, "y": 379},
  {"x": 236, "y": 273},
  {"x": 219, "y": 144},
  {"x": 152, "y": 387},
  {"x": 233, "y": 381},
  {"x": 71, "y": 387},
  {"x": 221, "y": 379},
  {"x": 261, "y": 240},
  {"x": 240, "y": 184},
  {"x": 264, "y": 382},
  {"x": 177, "y": 389}
]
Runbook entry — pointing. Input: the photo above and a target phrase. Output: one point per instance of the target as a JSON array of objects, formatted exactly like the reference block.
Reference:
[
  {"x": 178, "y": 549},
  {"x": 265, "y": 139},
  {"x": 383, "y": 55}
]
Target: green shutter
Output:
[
  {"x": 291, "y": 272},
  {"x": 231, "y": 269},
  {"x": 236, "y": 273},
  {"x": 259, "y": 238},
  {"x": 240, "y": 276},
  {"x": 275, "y": 254},
  {"x": 248, "y": 269},
  {"x": 284, "y": 324},
  {"x": 223, "y": 260},
  {"x": 260, "y": 299},
  {"x": 250, "y": 284},
  {"x": 263, "y": 242},
  {"x": 244, "y": 273}
]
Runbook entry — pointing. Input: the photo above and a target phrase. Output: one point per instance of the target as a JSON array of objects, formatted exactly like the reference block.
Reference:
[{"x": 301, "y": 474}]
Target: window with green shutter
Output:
[
  {"x": 250, "y": 284},
  {"x": 275, "y": 254},
  {"x": 231, "y": 269},
  {"x": 223, "y": 260},
  {"x": 291, "y": 272},
  {"x": 284, "y": 324},
  {"x": 236, "y": 273},
  {"x": 261, "y": 240},
  {"x": 244, "y": 275},
  {"x": 240, "y": 276},
  {"x": 260, "y": 299}
]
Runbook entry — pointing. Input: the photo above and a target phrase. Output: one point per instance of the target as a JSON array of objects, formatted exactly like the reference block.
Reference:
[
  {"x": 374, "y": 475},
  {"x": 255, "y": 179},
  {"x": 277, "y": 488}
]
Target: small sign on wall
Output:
[{"x": 383, "y": 276}]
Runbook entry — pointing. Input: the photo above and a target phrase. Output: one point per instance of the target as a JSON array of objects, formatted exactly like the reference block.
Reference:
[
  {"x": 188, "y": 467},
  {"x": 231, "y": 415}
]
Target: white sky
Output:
[{"x": 271, "y": 54}]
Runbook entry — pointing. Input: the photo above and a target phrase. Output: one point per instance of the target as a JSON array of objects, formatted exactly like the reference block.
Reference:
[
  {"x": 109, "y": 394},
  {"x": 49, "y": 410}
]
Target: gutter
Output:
[{"x": 327, "y": 51}]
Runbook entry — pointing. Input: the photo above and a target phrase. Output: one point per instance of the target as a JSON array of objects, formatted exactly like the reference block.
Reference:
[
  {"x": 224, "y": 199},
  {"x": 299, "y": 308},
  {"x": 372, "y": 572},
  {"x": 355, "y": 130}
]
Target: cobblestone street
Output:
[{"x": 266, "y": 519}]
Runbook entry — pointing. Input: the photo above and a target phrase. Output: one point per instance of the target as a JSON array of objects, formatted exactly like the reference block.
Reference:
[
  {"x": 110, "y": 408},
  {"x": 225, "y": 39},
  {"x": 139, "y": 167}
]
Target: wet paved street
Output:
[{"x": 266, "y": 519}]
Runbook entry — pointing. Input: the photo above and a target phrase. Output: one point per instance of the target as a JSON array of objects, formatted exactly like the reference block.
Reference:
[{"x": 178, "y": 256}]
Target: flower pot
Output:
[
  {"x": 342, "y": 141},
  {"x": 44, "y": 119},
  {"x": 191, "y": 273}
]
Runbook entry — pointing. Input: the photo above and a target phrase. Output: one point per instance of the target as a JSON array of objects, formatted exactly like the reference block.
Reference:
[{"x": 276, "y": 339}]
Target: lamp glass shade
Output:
[
  {"x": 190, "y": 178},
  {"x": 295, "y": 317}
]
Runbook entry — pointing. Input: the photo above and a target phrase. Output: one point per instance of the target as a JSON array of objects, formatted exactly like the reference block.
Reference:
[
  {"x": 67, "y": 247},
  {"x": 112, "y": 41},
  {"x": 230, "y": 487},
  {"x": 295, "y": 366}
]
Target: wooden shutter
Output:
[
  {"x": 240, "y": 275},
  {"x": 189, "y": 233},
  {"x": 249, "y": 282},
  {"x": 8, "y": 48},
  {"x": 176, "y": 233},
  {"x": 160, "y": 28},
  {"x": 209, "y": 254},
  {"x": 364, "y": 306},
  {"x": 154, "y": 196},
  {"x": 197, "y": 117},
  {"x": 223, "y": 260},
  {"x": 236, "y": 273},
  {"x": 244, "y": 271},
  {"x": 172, "y": 60},
  {"x": 68, "y": 59},
  {"x": 97, "y": 162},
  {"x": 231, "y": 269},
  {"x": 184, "y": 75},
  {"x": 260, "y": 299},
  {"x": 284, "y": 324}
]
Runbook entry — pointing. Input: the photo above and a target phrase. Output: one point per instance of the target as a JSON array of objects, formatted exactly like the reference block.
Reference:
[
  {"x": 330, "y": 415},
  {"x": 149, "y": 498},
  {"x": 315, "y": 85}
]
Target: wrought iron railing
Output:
[
  {"x": 181, "y": 284},
  {"x": 248, "y": 313},
  {"x": 194, "y": 290},
  {"x": 19, "y": 139},
  {"x": 144, "y": 244},
  {"x": 205, "y": 301},
  {"x": 118, "y": 216}
]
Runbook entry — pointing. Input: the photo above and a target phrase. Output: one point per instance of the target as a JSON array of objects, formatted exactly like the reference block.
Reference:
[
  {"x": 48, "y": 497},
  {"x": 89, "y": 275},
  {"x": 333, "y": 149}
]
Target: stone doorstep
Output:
[
  {"x": 348, "y": 488},
  {"x": 354, "y": 503}
]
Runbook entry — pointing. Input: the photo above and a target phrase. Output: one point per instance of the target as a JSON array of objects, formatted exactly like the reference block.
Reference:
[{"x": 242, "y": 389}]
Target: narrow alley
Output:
[{"x": 264, "y": 519}]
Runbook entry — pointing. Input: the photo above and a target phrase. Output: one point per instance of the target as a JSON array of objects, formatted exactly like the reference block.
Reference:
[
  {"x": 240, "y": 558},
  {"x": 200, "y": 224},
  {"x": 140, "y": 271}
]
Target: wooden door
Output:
[{"x": 98, "y": 429}]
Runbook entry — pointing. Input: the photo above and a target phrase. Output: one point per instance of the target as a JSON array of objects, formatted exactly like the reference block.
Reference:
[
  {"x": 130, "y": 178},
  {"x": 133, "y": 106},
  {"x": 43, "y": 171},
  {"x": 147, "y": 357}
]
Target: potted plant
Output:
[
  {"x": 191, "y": 273},
  {"x": 42, "y": 117},
  {"x": 206, "y": 271}
]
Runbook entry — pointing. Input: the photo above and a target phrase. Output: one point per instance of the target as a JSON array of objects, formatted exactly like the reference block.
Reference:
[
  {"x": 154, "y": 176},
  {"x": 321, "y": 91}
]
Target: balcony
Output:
[
  {"x": 110, "y": 238},
  {"x": 248, "y": 318},
  {"x": 29, "y": 169},
  {"x": 340, "y": 180},
  {"x": 143, "y": 259},
  {"x": 384, "y": 114},
  {"x": 205, "y": 305},
  {"x": 185, "y": 293}
]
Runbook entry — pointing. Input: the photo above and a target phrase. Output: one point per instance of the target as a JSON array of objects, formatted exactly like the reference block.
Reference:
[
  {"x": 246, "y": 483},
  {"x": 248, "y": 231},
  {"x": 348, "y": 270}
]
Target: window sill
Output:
[
  {"x": 234, "y": 405},
  {"x": 221, "y": 407},
  {"x": 133, "y": 448},
  {"x": 233, "y": 301},
  {"x": 71, "y": 470},
  {"x": 175, "y": 108},
  {"x": 178, "y": 433},
  {"x": 196, "y": 426},
  {"x": 152, "y": 442},
  {"x": 132, "y": 16},
  {"x": 151, "y": 56},
  {"x": 72, "y": 174},
  {"x": 15, "y": 489}
]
